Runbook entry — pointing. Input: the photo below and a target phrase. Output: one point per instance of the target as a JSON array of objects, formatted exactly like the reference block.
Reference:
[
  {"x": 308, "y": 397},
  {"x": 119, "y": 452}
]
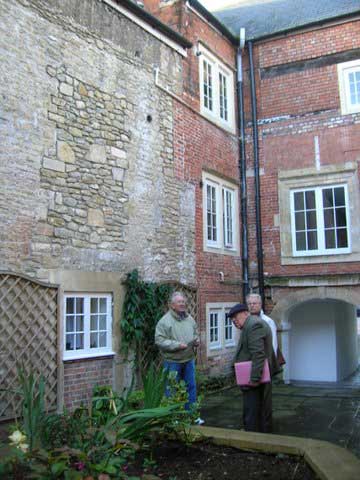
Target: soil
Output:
[{"x": 206, "y": 461}]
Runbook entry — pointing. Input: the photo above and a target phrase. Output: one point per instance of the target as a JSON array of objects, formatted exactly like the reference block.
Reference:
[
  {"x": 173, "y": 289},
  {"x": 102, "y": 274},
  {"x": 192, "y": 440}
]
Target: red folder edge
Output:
[{"x": 243, "y": 372}]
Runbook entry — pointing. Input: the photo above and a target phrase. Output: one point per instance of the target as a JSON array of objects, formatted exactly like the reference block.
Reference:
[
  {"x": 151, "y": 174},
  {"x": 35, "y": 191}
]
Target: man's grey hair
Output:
[
  {"x": 256, "y": 295},
  {"x": 176, "y": 294}
]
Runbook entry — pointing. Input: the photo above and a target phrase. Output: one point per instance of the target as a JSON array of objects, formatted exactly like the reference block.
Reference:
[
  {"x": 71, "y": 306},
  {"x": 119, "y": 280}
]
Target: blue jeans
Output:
[{"x": 184, "y": 371}]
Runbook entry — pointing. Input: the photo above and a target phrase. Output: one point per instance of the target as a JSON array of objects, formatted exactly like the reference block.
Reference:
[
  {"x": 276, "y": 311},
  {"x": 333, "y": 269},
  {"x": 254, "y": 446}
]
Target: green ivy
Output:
[{"x": 145, "y": 303}]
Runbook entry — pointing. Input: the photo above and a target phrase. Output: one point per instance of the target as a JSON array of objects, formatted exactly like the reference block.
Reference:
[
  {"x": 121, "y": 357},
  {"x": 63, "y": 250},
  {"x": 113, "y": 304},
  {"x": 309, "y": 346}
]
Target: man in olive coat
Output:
[
  {"x": 255, "y": 344},
  {"x": 177, "y": 336}
]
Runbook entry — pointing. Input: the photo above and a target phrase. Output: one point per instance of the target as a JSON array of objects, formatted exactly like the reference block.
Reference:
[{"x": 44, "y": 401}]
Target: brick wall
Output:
[
  {"x": 81, "y": 376},
  {"x": 200, "y": 144},
  {"x": 293, "y": 108}
]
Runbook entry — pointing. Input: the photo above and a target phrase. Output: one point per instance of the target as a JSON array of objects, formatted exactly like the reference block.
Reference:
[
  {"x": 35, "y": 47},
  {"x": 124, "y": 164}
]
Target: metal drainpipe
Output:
[
  {"x": 259, "y": 244},
  {"x": 242, "y": 169}
]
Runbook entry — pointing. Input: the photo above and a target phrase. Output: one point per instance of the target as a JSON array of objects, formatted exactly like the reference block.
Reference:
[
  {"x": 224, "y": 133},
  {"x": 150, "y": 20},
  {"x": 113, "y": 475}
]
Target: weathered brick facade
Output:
[
  {"x": 293, "y": 109},
  {"x": 302, "y": 133},
  {"x": 200, "y": 146}
]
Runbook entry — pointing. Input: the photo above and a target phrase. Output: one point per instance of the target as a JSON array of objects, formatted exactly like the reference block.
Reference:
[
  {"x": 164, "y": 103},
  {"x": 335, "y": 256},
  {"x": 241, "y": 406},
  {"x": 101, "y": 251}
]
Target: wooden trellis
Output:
[
  {"x": 28, "y": 335},
  {"x": 148, "y": 352}
]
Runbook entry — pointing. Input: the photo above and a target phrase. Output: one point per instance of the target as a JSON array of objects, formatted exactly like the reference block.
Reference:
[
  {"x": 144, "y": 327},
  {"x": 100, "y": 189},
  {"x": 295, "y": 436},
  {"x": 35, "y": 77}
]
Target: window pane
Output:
[
  {"x": 330, "y": 238},
  {"x": 329, "y": 218},
  {"x": 80, "y": 341},
  {"x": 341, "y": 235},
  {"x": 354, "y": 84},
  {"x": 70, "y": 342},
  {"x": 102, "y": 305},
  {"x": 102, "y": 339},
  {"x": 311, "y": 220},
  {"x": 102, "y": 322},
  {"x": 70, "y": 323},
  {"x": 310, "y": 199},
  {"x": 94, "y": 322},
  {"x": 300, "y": 221},
  {"x": 70, "y": 305},
  {"x": 207, "y": 70},
  {"x": 340, "y": 217},
  {"x": 94, "y": 340},
  {"x": 94, "y": 305},
  {"x": 300, "y": 241},
  {"x": 328, "y": 197},
  {"x": 339, "y": 194},
  {"x": 211, "y": 213},
  {"x": 299, "y": 200},
  {"x": 79, "y": 324},
  {"x": 79, "y": 305},
  {"x": 312, "y": 240}
]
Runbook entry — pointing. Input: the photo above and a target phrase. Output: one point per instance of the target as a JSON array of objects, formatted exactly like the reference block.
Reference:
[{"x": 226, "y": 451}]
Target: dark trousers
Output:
[{"x": 257, "y": 408}]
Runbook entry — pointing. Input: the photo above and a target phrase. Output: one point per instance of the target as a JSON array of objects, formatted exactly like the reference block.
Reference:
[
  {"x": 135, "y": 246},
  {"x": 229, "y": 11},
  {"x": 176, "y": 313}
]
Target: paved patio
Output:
[{"x": 328, "y": 412}]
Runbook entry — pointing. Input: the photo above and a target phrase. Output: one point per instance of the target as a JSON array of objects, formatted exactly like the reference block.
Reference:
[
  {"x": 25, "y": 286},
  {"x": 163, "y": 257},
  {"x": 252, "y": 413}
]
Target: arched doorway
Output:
[{"x": 319, "y": 334}]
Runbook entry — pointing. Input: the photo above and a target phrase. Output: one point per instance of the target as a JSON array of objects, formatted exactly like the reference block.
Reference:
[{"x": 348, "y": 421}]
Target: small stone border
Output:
[{"x": 328, "y": 461}]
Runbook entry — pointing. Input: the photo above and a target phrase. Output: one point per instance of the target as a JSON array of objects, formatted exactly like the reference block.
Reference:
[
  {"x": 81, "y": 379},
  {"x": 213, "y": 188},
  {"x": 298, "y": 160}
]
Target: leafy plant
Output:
[
  {"x": 154, "y": 384},
  {"x": 145, "y": 303},
  {"x": 32, "y": 392}
]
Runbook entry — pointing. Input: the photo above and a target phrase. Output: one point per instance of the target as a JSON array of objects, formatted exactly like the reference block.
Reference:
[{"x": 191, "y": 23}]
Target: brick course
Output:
[{"x": 80, "y": 378}]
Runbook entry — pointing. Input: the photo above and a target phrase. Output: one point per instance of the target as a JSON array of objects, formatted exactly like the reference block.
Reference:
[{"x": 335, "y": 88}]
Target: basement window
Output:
[
  {"x": 87, "y": 326},
  {"x": 349, "y": 86}
]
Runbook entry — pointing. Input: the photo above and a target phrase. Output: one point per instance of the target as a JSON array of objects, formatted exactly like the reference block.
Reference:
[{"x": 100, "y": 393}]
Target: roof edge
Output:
[
  {"x": 154, "y": 22},
  {"x": 213, "y": 20},
  {"x": 321, "y": 22}
]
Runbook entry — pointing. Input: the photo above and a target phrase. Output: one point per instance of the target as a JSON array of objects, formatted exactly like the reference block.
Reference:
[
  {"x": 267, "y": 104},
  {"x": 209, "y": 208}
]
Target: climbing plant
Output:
[{"x": 145, "y": 303}]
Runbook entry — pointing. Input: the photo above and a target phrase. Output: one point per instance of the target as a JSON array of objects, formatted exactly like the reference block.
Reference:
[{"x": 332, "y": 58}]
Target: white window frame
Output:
[
  {"x": 218, "y": 68},
  {"x": 222, "y": 344},
  {"x": 228, "y": 220},
  {"x": 227, "y": 323},
  {"x": 87, "y": 351},
  {"x": 215, "y": 344},
  {"x": 224, "y": 190},
  {"x": 320, "y": 228},
  {"x": 214, "y": 187},
  {"x": 344, "y": 70}
]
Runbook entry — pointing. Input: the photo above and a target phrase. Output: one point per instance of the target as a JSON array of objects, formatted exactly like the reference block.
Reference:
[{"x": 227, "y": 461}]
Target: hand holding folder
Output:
[{"x": 243, "y": 372}]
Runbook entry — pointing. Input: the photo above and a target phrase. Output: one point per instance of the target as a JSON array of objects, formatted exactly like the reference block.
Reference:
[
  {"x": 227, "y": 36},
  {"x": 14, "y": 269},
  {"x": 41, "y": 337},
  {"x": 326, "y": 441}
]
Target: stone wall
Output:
[{"x": 87, "y": 145}]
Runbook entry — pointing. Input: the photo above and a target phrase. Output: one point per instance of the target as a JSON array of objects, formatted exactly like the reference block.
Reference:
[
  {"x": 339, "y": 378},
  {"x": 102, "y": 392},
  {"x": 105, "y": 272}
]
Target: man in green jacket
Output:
[
  {"x": 255, "y": 344},
  {"x": 177, "y": 337}
]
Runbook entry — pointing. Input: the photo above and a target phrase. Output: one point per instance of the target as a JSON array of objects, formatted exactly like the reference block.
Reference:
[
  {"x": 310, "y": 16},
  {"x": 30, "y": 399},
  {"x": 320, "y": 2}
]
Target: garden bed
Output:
[{"x": 206, "y": 461}]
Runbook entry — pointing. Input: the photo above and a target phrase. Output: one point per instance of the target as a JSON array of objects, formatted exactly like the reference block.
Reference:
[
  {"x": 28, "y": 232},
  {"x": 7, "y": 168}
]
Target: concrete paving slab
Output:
[{"x": 322, "y": 413}]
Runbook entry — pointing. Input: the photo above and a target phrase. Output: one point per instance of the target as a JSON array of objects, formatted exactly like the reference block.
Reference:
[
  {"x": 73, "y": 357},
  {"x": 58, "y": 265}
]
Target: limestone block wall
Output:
[
  {"x": 87, "y": 145},
  {"x": 87, "y": 184}
]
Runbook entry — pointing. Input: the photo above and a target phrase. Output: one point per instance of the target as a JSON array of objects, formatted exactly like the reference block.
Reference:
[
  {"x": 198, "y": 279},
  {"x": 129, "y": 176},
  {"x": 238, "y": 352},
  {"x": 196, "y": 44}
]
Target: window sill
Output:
[
  {"x": 215, "y": 349},
  {"x": 227, "y": 127},
  {"x": 304, "y": 260},
  {"x": 222, "y": 251},
  {"x": 88, "y": 356}
]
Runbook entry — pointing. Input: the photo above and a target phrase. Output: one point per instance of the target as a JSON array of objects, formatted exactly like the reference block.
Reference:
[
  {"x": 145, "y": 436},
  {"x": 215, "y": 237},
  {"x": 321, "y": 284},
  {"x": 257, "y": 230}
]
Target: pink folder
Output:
[{"x": 243, "y": 372}]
